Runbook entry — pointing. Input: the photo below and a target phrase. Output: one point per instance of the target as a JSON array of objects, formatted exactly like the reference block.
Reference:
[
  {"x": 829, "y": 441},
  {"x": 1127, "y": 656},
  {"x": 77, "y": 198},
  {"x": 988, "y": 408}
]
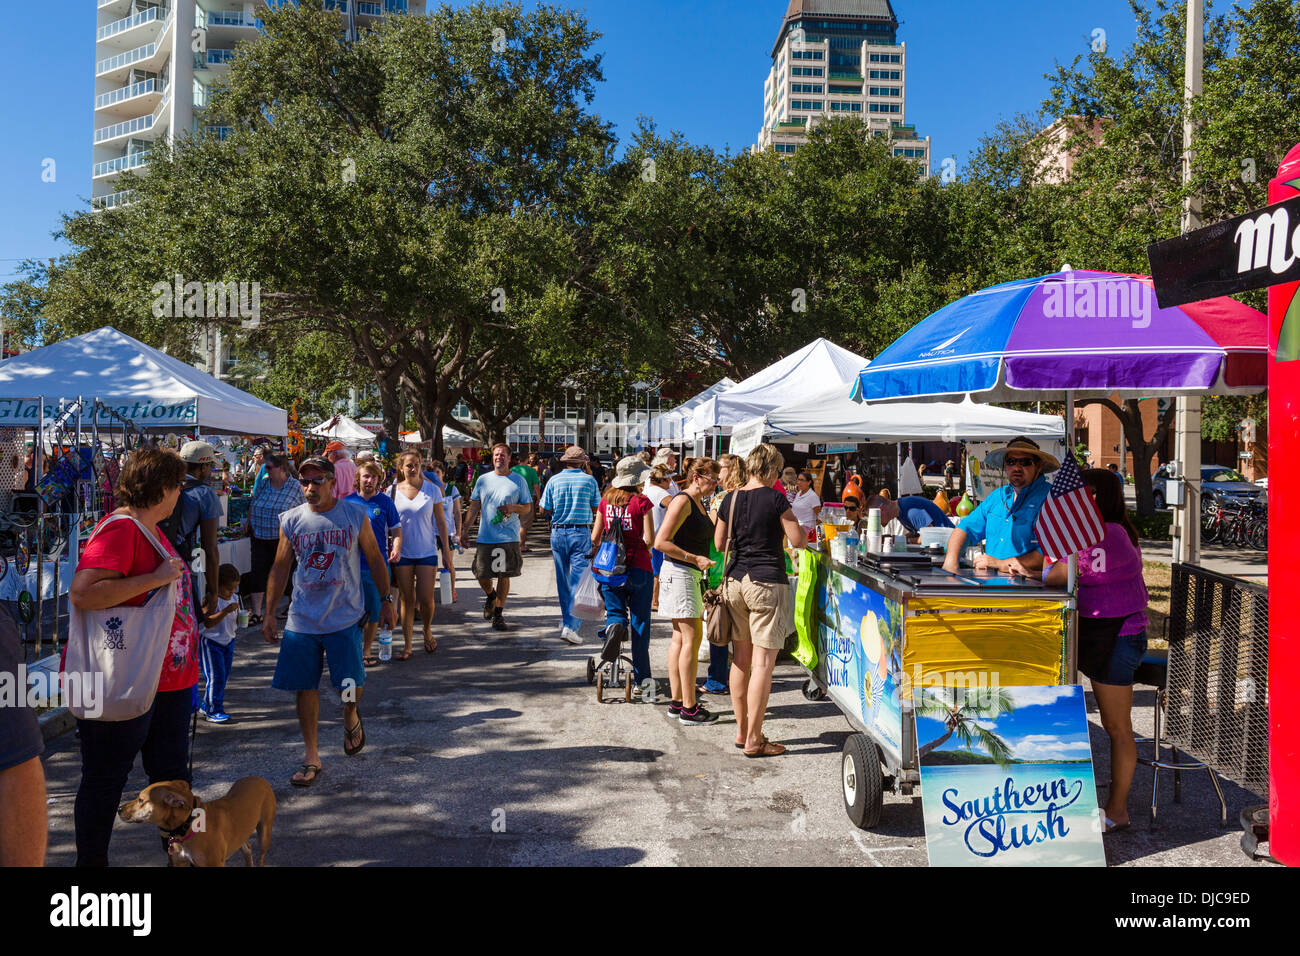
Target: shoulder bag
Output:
[
  {"x": 116, "y": 654},
  {"x": 718, "y": 624}
]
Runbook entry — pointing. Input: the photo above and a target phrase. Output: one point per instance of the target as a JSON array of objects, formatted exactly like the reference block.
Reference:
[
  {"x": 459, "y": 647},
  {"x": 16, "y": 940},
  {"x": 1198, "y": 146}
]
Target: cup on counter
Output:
[
  {"x": 873, "y": 540},
  {"x": 886, "y": 543}
]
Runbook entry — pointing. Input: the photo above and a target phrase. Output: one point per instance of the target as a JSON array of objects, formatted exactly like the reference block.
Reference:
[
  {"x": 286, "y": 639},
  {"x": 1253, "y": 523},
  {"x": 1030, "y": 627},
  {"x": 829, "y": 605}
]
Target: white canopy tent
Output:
[
  {"x": 451, "y": 438},
  {"x": 137, "y": 382},
  {"x": 346, "y": 430},
  {"x": 678, "y": 424},
  {"x": 832, "y": 416},
  {"x": 810, "y": 371}
]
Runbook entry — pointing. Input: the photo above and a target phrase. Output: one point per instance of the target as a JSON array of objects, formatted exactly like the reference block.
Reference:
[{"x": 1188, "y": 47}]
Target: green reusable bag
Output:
[{"x": 805, "y": 609}]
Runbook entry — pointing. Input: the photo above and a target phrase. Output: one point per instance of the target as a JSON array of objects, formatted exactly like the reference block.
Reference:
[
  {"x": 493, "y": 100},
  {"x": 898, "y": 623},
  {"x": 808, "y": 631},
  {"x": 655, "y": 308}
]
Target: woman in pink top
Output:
[{"x": 1112, "y": 630}]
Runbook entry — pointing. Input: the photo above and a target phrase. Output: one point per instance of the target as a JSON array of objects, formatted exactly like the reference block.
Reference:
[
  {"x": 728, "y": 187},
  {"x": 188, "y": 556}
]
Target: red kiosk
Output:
[{"x": 1284, "y": 518}]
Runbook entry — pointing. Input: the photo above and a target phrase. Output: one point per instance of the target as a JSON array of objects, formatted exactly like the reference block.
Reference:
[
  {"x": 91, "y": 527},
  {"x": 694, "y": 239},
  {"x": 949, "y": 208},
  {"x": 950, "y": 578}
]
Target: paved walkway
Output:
[
  {"x": 1240, "y": 562},
  {"x": 494, "y": 751}
]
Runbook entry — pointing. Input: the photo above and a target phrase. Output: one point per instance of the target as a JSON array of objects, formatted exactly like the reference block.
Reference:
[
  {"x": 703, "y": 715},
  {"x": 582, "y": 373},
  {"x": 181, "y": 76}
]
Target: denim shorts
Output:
[
  {"x": 428, "y": 561},
  {"x": 303, "y": 656},
  {"x": 1125, "y": 660}
]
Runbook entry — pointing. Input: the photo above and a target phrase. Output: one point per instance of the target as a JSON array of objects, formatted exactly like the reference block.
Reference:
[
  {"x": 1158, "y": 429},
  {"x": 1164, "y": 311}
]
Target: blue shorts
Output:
[
  {"x": 1125, "y": 660},
  {"x": 374, "y": 601},
  {"x": 656, "y": 561},
  {"x": 429, "y": 562},
  {"x": 302, "y": 658}
]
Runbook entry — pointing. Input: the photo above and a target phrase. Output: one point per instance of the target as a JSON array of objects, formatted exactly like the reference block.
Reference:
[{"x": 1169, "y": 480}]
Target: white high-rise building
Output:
[
  {"x": 155, "y": 63},
  {"x": 839, "y": 58}
]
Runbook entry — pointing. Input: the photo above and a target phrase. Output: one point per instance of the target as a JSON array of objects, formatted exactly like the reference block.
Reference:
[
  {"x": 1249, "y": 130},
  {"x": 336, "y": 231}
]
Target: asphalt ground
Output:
[{"x": 493, "y": 751}]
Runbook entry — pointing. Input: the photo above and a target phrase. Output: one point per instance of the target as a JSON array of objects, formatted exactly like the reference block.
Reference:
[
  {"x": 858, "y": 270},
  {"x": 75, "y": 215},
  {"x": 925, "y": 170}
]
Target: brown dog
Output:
[{"x": 206, "y": 834}]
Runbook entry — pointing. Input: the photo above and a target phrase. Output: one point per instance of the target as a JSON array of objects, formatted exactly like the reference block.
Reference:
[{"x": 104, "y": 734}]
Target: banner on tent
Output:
[
  {"x": 22, "y": 411},
  {"x": 747, "y": 436}
]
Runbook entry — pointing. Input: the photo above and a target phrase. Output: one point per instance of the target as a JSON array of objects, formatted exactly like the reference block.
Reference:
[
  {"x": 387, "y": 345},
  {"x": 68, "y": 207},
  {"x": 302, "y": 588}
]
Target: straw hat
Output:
[
  {"x": 574, "y": 455},
  {"x": 662, "y": 456},
  {"x": 630, "y": 473},
  {"x": 1025, "y": 446}
]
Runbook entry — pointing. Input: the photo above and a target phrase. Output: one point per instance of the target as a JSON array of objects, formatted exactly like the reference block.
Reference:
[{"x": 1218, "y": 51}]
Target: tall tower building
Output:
[
  {"x": 839, "y": 58},
  {"x": 155, "y": 63}
]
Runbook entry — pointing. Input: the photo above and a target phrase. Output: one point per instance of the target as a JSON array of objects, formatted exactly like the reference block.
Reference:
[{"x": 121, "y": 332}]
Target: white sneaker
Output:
[{"x": 570, "y": 635}]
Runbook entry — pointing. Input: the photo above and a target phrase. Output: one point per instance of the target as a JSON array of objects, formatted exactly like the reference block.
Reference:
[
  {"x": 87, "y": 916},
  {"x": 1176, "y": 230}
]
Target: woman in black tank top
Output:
[{"x": 684, "y": 539}]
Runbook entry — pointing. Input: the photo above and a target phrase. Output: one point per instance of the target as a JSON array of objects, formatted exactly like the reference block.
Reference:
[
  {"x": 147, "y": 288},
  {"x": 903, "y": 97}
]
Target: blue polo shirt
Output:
[
  {"x": 1005, "y": 521},
  {"x": 572, "y": 497},
  {"x": 917, "y": 512}
]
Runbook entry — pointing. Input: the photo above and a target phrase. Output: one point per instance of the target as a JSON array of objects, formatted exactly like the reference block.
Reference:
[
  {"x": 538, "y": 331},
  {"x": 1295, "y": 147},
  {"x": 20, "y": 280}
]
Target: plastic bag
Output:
[{"x": 588, "y": 602}]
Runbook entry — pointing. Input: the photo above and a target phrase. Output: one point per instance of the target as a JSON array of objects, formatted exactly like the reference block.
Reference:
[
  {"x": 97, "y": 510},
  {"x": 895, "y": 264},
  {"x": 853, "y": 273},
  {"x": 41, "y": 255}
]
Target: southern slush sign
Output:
[{"x": 1254, "y": 251}]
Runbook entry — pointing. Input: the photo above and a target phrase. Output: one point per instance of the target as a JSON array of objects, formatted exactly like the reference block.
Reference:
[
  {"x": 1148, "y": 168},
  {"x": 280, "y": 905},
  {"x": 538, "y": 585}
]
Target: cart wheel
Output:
[
  {"x": 811, "y": 691},
  {"x": 863, "y": 781},
  {"x": 591, "y": 670},
  {"x": 600, "y": 687},
  {"x": 627, "y": 687}
]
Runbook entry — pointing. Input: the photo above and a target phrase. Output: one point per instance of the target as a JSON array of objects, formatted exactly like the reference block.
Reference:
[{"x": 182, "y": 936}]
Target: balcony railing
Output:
[
  {"x": 137, "y": 125},
  {"x": 126, "y": 23},
  {"x": 125, "y": 93},
  {"x": 127, "y": 58},
  {"x": 216, "y": 57},
  {"x": 122, "y": 163},
  {"x": 369, "y": 9},
  {"x": 232, "y": 18},
  {"x": 113, "y": 199}
]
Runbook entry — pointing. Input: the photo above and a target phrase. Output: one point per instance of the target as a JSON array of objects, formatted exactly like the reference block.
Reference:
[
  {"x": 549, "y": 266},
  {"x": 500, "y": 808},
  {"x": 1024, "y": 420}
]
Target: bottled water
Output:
[
  {"x": 386, "y": 645},
  {"x": 444, "y": 584}
]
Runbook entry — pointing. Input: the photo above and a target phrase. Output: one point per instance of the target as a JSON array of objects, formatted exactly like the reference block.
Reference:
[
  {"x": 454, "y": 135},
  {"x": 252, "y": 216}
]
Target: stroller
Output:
[{"x": 613, "y": 668}]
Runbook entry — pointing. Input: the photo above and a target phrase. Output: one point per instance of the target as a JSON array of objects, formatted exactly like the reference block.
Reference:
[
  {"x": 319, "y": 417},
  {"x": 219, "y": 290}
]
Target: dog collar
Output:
[{"x": 184, "y": 831}]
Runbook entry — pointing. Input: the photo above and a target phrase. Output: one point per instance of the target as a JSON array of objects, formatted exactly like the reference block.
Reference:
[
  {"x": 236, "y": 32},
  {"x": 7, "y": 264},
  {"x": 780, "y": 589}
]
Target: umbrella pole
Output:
[
  {"x": 1069, "y": 450},
  {"x": 1072, "y": 565}
]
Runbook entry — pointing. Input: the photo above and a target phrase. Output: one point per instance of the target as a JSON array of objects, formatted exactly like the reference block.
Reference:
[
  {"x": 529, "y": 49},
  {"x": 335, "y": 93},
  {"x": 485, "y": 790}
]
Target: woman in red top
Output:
[
  {"x": 121, "y": 568},
  {"x": 628, "y": 605}
]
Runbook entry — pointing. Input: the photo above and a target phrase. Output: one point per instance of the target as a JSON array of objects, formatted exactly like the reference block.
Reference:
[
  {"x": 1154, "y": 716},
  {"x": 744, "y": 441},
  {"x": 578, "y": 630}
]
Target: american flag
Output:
[{"x": 1069, "y": 520}]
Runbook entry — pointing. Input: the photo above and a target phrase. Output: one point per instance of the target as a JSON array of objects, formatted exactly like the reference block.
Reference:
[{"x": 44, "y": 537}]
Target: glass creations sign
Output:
[
  {"x": 144, "y": 414},
  {"x": 1007, "y": 778}
]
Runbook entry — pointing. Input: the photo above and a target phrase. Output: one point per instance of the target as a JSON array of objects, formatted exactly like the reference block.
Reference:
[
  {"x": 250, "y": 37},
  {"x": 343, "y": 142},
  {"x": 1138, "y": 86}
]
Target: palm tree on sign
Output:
[{"x": 960, "y": 711}]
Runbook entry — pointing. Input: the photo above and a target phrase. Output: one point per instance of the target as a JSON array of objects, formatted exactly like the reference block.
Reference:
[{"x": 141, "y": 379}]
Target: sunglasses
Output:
[
  {"x": 1025, "y": 462},
  {"x": 315, "y": 482}
]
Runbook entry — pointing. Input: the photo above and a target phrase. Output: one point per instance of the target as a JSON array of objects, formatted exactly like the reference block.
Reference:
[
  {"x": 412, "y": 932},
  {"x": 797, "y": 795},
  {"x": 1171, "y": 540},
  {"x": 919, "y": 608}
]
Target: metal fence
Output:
[{"x": 1218, "y": 674}]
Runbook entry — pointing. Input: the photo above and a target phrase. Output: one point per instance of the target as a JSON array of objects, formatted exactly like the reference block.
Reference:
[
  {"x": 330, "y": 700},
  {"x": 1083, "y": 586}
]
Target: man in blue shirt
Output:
[
  {"x": 571, "y": 498},
  {"x": 195, "y": 520},
  {"x": 1005, "y": 520},
  {"x": 503, "y": 497}
]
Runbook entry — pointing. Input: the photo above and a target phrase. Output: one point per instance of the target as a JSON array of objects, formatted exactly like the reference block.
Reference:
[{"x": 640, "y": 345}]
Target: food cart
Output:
[{"x": 888, "y": 627}]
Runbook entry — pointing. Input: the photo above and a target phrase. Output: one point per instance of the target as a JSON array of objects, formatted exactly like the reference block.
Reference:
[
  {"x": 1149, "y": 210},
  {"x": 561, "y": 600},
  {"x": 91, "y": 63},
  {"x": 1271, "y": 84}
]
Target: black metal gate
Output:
[{"x": 1218, "y": 674}]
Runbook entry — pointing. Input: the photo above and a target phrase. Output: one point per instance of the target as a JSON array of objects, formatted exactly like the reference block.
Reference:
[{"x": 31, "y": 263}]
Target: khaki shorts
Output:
[
  {"x": 504, "y": 560},
  {"x": 760, "y": 612}
]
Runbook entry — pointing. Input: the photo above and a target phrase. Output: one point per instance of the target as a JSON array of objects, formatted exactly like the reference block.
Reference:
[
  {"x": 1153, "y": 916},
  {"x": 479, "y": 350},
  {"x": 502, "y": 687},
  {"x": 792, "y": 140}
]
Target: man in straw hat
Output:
[
  {"x": 1005, "y": 520},
  {"x": 571, "y": 499}
]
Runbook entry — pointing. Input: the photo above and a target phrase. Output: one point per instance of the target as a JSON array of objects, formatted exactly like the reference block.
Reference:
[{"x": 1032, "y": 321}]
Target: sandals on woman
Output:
[
  {"x": 430, "y": 644},
  {"x": 255, "y": 620}
]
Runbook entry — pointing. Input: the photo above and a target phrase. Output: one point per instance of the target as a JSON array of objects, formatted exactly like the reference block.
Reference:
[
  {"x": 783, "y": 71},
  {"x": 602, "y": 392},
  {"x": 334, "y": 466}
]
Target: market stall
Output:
[
  {"x": 677, "y": 425},
  {"x": 346, "y": 430}
]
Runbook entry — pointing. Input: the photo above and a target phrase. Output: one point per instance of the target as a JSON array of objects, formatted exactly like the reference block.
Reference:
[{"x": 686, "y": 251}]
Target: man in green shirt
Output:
[{"x": 534, "y": 481}]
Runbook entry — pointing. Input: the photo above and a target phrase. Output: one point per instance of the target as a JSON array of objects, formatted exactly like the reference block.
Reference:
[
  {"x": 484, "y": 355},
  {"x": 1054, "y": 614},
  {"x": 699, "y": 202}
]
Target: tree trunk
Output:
[
  {"x": 1130, "y": 418},
  {"x": 920, "y": 755},
  {"x": 390, "y": 403}
]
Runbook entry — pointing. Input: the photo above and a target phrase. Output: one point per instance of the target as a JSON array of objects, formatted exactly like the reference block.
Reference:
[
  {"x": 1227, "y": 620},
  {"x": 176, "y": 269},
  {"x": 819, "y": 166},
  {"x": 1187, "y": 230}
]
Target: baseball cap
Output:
[
  {"x": 198, "y": 453},
  {"x": 320, "y": 463}
]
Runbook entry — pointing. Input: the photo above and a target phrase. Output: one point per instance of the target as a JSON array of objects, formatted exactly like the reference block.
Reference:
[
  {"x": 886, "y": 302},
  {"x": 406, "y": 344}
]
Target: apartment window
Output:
[
  {"x": 886, "y": 75},
  {"x": 806, "y": 88},
  {"x": 805, "y": 104},
  {"x": 806, "y": 71},
  {"x": 886, "y": 91},
  {"x": 837, "y": 107},
  {"x": 839, "y": 59},
  {"x": 786, "y": 147},
  {"x": 886, "y": 58},
  {"x": 851, "y": 90},
  {"x": 884, "y": 108},
  {"x": 910, "y": 153}
]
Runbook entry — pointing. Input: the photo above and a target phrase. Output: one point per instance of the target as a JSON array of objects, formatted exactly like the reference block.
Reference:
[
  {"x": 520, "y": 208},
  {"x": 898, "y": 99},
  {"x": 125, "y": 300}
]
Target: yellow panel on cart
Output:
[{"x": 955, "y": 641}]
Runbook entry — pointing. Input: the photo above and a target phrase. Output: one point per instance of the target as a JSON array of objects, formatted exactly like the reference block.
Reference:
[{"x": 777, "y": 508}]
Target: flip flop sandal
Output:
[
  {"x": 360, "y": 728},
  {"x": 1113, "y": 827},
  {"x": 430, "y": 645},
  {"x": 310, "y": 772},
  {"x": 742, "y": 746},
  {"x": 254, "y": 620},
  {"x": 768, "y": 749},
  {"x": 370, "y": 662}
]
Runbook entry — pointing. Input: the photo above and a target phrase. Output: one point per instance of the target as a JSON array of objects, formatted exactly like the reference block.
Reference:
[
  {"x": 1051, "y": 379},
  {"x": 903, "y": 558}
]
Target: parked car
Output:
[{"x": 1216, "y": 478}]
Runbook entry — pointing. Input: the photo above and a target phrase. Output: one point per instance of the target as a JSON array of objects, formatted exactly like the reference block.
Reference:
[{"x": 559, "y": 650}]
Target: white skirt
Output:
[{"x": 679, "y": 592}]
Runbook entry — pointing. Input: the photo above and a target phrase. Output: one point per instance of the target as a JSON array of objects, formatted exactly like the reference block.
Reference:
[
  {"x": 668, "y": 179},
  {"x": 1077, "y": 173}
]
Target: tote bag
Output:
[{"x": 121, "y": 646}]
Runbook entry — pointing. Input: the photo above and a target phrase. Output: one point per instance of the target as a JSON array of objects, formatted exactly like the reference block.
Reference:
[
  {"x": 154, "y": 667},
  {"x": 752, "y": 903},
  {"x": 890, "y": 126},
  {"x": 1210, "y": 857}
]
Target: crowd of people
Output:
[{"x": 347, "y": 541}]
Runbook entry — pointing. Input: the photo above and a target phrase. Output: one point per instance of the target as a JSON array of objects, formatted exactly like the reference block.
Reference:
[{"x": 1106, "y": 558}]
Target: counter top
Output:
[{"x": 927, "y": 578}]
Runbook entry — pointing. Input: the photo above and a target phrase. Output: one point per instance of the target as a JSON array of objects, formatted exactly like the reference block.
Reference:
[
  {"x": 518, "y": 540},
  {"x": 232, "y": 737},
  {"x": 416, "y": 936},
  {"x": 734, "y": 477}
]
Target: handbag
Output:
[
  {"x": 588, "y": 604},
  {"x": 718, "y": 625},
  {"x": 117, "y": 653}
]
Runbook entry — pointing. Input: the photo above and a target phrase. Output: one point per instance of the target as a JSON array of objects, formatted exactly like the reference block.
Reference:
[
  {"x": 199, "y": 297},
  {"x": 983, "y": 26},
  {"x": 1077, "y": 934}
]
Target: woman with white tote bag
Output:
[{"x": 133, "y": 638}]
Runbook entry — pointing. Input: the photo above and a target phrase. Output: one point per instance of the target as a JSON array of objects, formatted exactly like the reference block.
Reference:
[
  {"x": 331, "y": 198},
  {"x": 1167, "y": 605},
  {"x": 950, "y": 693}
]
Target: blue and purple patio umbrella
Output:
[{"x": 1088, "y": 334}]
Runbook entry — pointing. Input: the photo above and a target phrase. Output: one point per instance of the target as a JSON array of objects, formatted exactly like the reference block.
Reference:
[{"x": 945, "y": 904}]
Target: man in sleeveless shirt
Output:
[{"x": 328, "y": 536}]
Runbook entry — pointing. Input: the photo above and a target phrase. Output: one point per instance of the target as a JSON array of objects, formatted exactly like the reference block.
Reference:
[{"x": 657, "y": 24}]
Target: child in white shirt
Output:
[{"x": 217, "y": 645}]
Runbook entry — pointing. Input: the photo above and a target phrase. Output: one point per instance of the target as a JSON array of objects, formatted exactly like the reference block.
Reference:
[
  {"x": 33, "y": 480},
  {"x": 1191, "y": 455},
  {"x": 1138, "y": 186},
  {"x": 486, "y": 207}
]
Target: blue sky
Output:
[
  {"x": 1047, "y": 724},
  {"x": 696, "y": 66}
]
